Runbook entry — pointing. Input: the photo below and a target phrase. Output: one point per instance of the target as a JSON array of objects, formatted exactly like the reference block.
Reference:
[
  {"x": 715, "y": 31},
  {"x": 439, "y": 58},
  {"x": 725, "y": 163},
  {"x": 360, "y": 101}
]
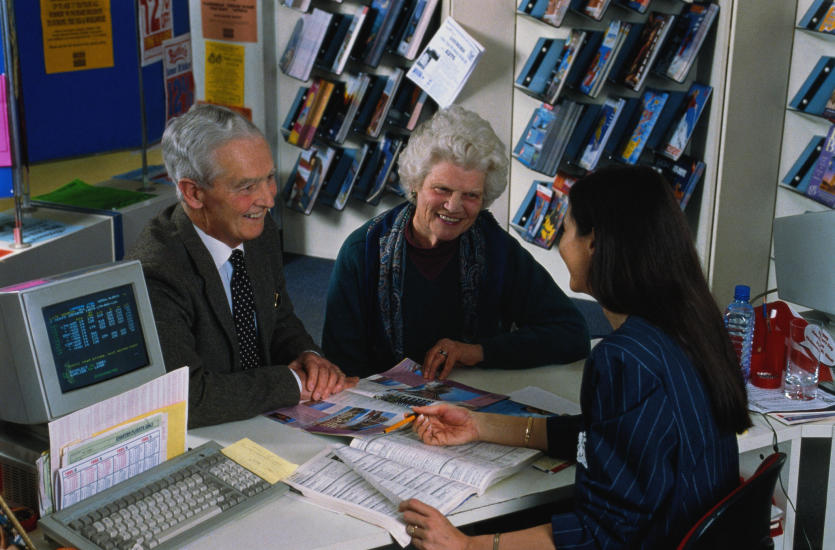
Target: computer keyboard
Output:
[{"x": 179, "y": 500}]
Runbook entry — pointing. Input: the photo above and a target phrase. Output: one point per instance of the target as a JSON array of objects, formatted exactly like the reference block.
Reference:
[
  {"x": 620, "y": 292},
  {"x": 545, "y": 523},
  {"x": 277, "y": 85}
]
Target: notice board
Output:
[{"x": 81, "y": 112}]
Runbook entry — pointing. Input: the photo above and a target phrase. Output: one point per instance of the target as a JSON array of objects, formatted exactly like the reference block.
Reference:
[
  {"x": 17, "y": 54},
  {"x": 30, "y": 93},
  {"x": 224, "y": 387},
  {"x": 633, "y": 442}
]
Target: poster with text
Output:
[
  {"x": 156, "y": 25},
  {"x": 224, "y": 73},
  {"x": 179, "y": 78},
  {"x": 77, "y": 35},
  {"x": 235, "y": 20}
]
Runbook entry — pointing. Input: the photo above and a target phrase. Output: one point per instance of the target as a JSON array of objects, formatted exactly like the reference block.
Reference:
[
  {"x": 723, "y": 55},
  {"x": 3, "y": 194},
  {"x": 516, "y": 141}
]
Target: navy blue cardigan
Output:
[{"x": 524, "y": 319}]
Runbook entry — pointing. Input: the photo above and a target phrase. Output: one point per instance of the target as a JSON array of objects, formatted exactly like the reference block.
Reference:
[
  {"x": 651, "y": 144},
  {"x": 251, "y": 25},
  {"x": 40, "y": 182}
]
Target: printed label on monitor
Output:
[{"x": 95, "y": 337}]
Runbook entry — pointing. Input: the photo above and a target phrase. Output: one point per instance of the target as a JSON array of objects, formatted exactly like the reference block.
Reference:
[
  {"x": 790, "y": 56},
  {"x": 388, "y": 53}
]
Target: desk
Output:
[
  {"x": 297, "y": 523},
  {"x": 89, "y": 244},
  {"x": 294, "y": 522},
  {"x": 758, "y": 442}
]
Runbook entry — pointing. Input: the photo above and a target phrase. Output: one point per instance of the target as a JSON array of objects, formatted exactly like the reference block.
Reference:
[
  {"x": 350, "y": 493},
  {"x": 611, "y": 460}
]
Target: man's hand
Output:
[
  {"x": 319, "y": 377},
  {"x": 446, "y": 354}
]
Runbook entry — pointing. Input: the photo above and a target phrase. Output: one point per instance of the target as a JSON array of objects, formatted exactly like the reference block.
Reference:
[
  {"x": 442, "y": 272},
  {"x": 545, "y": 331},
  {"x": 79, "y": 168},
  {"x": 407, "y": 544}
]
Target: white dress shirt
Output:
[{"x": 220, "y": 253}]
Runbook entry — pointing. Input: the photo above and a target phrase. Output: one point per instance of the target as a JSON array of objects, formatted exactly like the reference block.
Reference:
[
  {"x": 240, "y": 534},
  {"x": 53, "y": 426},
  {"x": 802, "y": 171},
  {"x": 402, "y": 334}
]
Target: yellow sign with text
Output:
[
  {"x": 77, "y": 35},
  {"x": 224, "y": 73}
]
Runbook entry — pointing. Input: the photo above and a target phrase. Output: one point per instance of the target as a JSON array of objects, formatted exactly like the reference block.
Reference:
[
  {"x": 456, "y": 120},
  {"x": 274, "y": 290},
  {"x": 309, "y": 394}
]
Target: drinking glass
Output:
[{"x": 800, "y": 380}]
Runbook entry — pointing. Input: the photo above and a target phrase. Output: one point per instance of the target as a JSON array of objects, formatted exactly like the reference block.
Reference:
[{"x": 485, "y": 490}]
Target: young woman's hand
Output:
[{"x": 445, "y": 425}]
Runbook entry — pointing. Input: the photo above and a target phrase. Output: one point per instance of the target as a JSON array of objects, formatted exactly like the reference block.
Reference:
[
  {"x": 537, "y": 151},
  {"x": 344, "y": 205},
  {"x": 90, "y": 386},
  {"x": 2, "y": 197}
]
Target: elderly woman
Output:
[{"x": 436, "y": 279}]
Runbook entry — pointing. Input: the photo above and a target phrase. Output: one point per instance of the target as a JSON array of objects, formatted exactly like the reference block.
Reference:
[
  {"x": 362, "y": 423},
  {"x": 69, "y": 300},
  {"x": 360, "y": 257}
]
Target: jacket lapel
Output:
[{"x": 215, "y": 295}]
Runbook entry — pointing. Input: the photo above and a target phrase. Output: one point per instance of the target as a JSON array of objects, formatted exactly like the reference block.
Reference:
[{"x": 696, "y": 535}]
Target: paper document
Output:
[
  {"x": 369, "y": 478},
  {"x": 763, "y": 400},
  {"x": 120, "y": 436},
  {"x": 98, "y": 463},
  {"x": 544, "y": 400},
  {"x": 265, "y": 464},
  {"x": 446, "y": 63}
]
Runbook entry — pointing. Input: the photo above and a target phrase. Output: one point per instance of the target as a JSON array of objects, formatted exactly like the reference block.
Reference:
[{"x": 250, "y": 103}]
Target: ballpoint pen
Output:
[{"x": 406, "y": 420}]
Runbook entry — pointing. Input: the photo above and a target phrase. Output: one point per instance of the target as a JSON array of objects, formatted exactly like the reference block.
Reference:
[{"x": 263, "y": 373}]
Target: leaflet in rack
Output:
[{"x": 380, "y": 401}]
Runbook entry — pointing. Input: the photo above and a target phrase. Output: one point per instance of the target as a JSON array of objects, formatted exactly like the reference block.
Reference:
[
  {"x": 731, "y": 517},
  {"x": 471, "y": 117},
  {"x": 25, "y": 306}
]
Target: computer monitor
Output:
[
  {"x": 804, "y": 260},
  {"x": 75, "y": 339}
]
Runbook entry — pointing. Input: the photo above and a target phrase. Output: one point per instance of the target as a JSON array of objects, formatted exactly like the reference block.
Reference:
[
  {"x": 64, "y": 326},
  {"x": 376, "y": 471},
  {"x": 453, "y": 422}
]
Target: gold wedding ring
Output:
[{"x": 411, "y": 530}]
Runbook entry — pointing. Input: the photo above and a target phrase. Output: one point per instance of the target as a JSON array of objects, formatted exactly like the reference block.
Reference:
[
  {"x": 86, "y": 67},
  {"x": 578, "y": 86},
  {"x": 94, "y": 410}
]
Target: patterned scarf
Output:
[{"x": 392, "y": 256}]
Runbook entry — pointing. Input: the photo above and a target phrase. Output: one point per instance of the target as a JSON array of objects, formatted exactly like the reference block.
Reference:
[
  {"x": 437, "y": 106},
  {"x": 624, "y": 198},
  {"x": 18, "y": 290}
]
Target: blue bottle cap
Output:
[{"x": 742, "y": 292}]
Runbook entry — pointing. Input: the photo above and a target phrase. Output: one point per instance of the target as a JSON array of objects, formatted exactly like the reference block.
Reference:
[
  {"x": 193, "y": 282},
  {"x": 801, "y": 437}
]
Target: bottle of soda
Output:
[{"x": 739, "y": 320}]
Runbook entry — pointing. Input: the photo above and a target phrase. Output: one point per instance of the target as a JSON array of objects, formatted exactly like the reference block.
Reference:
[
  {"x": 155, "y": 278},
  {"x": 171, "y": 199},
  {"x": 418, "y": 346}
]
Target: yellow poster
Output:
[
  {"x": 224, "y": 73},
  {"x": 77, "y": 35}
]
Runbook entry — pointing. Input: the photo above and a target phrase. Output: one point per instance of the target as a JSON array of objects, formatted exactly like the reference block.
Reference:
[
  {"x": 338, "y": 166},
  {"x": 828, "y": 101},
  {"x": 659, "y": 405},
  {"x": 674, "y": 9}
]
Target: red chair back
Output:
[{"x": 743, "y": 518}]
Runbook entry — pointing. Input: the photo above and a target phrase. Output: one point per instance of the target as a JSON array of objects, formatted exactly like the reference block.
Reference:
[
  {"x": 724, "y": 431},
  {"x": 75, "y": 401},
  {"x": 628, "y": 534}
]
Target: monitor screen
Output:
[
  {"x": 74, "y": 339},
  {"x": 95, "y": 337}
]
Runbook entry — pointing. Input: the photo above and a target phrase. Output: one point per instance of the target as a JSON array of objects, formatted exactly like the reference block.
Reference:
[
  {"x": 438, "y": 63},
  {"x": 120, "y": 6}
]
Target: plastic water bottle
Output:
[{"x": 739, "y": 320}]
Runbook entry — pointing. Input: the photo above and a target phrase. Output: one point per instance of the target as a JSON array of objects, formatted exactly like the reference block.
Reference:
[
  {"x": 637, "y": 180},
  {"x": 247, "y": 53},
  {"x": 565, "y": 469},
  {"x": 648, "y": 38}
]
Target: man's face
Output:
[{"x": 232, "y": 210}]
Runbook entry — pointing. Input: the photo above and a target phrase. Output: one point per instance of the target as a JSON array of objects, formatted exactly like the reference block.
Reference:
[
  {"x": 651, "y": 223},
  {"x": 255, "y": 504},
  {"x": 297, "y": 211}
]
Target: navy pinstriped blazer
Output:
[{"x": 651, "y": 459}]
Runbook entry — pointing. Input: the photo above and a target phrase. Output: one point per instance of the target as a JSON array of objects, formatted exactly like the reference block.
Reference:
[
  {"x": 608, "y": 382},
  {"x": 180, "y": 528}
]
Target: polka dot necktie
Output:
[{"x": 243, "y": 311}]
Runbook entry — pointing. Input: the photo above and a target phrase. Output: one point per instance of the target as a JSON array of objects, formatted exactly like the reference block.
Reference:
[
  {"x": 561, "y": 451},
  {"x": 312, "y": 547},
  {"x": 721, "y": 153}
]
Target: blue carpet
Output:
[{"x": 307, "y": 283}]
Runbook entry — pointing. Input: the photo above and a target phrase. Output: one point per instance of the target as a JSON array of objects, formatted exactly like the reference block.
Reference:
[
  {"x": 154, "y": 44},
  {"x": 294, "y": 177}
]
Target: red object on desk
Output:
[{"x": 768, "y": 350}]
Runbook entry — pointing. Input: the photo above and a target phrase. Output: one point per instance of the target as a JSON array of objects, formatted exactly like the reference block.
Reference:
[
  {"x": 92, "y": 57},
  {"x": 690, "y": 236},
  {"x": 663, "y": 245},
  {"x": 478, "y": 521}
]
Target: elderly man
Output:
[{"x": 214, "y": 272}]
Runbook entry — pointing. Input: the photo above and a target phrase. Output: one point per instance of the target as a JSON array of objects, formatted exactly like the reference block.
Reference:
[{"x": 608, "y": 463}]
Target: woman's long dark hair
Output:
[{"x": 644, "y": 263}]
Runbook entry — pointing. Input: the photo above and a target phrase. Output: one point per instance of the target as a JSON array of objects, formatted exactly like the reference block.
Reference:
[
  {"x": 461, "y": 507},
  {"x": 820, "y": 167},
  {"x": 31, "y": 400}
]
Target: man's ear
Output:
[{"x": 192, "y": 193}]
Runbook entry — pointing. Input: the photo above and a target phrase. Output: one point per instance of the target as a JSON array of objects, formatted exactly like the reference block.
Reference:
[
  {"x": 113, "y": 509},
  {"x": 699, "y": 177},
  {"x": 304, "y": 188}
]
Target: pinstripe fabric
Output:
[{"x": 655, "y": 458}]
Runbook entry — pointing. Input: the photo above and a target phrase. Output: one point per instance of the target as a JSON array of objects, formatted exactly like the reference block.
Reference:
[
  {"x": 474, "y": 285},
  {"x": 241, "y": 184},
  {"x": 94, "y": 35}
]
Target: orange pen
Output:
[{"x": 408, "y": 419}]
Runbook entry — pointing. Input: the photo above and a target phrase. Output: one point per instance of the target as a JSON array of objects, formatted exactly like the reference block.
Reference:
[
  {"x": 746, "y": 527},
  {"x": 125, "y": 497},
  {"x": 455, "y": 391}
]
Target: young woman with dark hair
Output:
[{"x": 662, "y": 396}]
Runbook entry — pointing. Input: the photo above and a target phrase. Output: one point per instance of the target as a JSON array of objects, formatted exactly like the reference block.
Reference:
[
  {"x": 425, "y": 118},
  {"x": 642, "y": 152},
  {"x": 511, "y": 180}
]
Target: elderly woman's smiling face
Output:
[{"x": 447, "y": 203}]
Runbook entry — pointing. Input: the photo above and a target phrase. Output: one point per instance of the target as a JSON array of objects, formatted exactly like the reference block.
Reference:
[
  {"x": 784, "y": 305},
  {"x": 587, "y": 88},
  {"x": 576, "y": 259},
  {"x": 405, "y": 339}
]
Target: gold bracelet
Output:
[
  {"x": 528, "y": 430},
  {"x": 496, "y": 538}
]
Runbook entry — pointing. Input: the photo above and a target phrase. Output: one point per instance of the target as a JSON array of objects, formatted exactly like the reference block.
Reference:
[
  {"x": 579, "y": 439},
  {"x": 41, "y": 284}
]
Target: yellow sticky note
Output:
[{"x": 258, "y": 460}]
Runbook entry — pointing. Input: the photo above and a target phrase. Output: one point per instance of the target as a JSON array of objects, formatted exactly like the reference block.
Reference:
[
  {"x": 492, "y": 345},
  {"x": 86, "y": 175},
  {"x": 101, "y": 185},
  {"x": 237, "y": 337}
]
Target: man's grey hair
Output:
[{"x": 190, "y": 141}]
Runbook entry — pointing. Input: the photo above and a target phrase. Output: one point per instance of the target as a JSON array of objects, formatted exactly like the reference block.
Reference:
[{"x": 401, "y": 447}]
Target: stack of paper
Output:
[{"x": 96, "y": 447}]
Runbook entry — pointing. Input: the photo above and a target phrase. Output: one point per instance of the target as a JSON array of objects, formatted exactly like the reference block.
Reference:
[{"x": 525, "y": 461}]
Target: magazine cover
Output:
[
  {"x": 822, "y": 183},
  {"x": 542, "y": 201},
  {"x": 304, "y": 182},
  {"x": 552, "y": 223},
  {"x": 683, "y": 127},
  {"x": 575, "y": 41},
  {"x": 652, "y": 103},
  {"x": 607, "y": 119},
  {"x": 597, "y": 68}
]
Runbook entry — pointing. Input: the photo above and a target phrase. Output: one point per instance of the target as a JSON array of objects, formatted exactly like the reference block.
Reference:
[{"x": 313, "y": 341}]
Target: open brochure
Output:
[
  {"x": 369, "y": 478},
  {"x": 379, "y": 402}
]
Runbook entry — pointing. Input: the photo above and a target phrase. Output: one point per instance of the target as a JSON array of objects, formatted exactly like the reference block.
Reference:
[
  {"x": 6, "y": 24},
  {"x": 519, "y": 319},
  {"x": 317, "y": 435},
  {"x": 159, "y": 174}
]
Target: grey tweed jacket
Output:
[{"x": 195, "y": 324}]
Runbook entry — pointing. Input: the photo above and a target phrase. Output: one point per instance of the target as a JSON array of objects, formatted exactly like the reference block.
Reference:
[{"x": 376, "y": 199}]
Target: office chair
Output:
[{"x": 743, "y": 518}]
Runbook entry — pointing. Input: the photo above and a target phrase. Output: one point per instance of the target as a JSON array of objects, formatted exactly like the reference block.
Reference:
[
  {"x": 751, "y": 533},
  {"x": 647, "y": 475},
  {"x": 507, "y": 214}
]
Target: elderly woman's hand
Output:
[{"x": 446, "y": 354}]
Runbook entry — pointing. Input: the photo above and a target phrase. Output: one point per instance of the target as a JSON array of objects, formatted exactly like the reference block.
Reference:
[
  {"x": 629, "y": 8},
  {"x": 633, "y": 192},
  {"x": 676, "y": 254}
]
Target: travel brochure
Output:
[{"x": 379, "y": 402}]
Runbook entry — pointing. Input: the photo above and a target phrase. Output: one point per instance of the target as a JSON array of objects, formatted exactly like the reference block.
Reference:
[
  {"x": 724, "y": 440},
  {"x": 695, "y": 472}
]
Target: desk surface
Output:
[{"x": 298, "y": 523}]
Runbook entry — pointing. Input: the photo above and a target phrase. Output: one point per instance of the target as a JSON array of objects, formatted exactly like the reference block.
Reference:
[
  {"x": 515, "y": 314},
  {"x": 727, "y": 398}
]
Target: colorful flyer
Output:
[
  {"x": 156, "y": 25},
  {"x": 224, "y": 73},
  {"x": 179, "y": 78},
  {"x": 235, "y": 20},
  {"x": 77, "y": 35}
]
